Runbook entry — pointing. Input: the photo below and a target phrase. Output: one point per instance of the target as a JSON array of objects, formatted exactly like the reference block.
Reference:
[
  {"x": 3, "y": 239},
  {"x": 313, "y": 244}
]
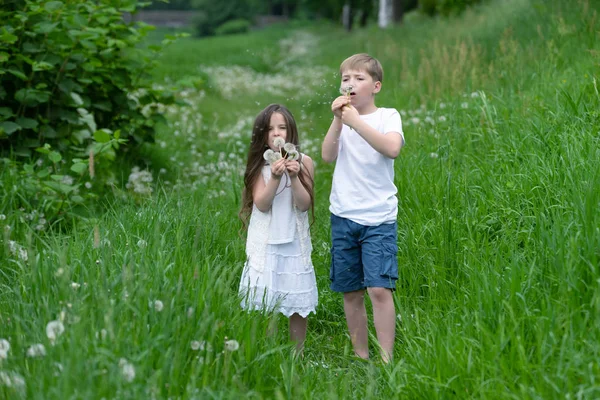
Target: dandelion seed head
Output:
[
  {"x": 53, "y": 330},
  {"x": 232, "y": 345},
  {"x": 36, "y": 350}
]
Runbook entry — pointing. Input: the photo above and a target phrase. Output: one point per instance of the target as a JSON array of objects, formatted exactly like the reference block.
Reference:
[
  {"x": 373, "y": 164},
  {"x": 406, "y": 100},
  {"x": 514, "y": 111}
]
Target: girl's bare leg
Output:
[{"x": 298, "y": 330}]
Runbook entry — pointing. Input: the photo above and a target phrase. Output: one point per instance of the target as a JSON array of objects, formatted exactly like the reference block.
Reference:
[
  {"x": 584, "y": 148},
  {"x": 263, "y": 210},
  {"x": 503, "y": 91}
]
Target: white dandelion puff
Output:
[
  {"x": 127, "y": 370},
  {"x": 268, "y": 155},
  {"x": 278, "y": 142},
  {"x": 75, "y": 285},
  {"x": 232, "y": 345},
  {"x": 158, "y": 305},
  {"x": 464, "y": 105},
  {"x": 442, "y": 118},
  {"x": 36, "y": 350},
  {"x": 4, "y": 349},
  {"x": 433, "y": 155},
  {"x": 2, "y": 217},
  {"x": 346, "y": 90},
  {"x": 53, "y": 330},
  {"x": 195, "y": 345},
  {"x": 289, "y": 147},
  {"x": 142, "y": 243}
]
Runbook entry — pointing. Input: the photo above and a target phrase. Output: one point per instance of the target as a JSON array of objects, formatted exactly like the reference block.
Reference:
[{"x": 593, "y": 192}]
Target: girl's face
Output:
[{"x": 277, "y": 128}]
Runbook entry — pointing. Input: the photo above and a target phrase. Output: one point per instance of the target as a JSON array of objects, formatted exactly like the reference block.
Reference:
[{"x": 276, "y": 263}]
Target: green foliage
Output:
[
  {"x": 445, "y": 7},
  {"x": 213, "y": 14},
  {"x": 233, "y": 26},
  {"x": 73, "y": 81}
]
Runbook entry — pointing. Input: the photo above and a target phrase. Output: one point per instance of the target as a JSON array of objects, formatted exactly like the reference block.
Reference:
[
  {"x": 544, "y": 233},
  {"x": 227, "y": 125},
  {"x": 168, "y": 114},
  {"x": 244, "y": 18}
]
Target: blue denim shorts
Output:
[{"x": 362, "y": 256}]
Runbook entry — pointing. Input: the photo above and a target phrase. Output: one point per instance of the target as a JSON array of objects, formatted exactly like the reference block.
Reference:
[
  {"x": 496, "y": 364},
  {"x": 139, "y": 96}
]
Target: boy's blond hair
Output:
[{"x": 363, "y": 62}]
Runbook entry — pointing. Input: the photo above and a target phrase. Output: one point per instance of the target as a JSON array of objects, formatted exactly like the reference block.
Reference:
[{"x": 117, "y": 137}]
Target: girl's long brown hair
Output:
[{"x": 258, "y": 145}]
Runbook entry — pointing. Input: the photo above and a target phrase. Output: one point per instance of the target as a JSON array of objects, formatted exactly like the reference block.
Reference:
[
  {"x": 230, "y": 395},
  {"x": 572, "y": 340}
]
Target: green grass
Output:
[{"x": 499, "y": 237}]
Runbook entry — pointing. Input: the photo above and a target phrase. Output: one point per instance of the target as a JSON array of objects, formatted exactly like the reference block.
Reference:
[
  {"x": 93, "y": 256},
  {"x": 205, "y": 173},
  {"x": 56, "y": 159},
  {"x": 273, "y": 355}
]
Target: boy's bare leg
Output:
[
  {"x": 298, "y": 330},
  {"x": 356, "y": 317},
  {"x": 384, "y": 318}
]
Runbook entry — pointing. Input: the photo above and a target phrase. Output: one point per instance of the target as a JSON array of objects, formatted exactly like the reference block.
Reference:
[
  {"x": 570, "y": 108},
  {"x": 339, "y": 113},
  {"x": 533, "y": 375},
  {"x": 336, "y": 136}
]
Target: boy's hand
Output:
[
  {"x": 293, "y": 168},
  {"x": 350, "y": 116},
  {"x": 338, "y": 104},
  {"x": 278, "y": 168}
]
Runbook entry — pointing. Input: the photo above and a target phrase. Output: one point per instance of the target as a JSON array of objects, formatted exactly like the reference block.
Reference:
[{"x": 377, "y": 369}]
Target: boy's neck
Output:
[{"x": 367, "y": 109}]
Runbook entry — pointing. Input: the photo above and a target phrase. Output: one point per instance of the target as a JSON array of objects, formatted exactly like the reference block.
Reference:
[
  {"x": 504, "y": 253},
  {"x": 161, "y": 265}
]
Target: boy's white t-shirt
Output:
[{"x": 363, "y": 187}]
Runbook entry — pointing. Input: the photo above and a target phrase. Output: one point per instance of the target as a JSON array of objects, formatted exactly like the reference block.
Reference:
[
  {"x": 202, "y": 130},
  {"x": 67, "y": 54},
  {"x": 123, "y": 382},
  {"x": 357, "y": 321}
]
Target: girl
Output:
[{"x": 278, "y": 274}]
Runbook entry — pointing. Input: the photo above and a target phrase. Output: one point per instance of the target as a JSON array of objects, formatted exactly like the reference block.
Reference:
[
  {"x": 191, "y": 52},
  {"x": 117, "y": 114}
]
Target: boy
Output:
[{"x": 364, "y": 140}]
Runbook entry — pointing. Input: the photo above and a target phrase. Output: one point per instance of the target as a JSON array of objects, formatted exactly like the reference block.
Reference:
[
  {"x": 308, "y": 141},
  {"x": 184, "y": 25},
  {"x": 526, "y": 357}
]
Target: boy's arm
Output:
[
  {"x": 330, "y": 147},
  {"x": 263, "y": 194},
  {"x": 388, "y": 144},
  {"x": 299, "y": 193}
]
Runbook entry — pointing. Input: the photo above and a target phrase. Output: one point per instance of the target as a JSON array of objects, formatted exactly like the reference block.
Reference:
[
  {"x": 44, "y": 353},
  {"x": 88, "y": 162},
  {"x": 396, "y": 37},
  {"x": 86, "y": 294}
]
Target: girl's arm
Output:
[
  {"x": 329, "y": 149},
  {"x": 263, "y": 194},
  {"x": 299, "y": 193}
]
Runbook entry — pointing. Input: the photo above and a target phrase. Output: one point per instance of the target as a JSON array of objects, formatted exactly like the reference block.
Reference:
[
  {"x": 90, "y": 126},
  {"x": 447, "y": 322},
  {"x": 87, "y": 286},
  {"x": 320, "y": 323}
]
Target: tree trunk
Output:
[
  {"x": 347, "y": 17},
  {"x": 385, "y": 13},
  {"x": 398, "y": 11}
]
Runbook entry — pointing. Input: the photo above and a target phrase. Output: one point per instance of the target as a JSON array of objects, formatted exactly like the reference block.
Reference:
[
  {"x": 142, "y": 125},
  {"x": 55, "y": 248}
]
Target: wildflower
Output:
[
  {"x": 11, "y": 379},
  {"x": 36, "y": 350},
  {"x": 279, "y": 142},
  {"x": 232, "y": 345},
  {"x": 75, "y": 285},
  {"x": 433, "y": 155},
  {"x": 465, "y": 105},
  {"x": 442, "y": 105},
  {"x": 139, "y": 181},
  {"x": 53, "y": 330},
  {"x": 4, "y": 348},
  {"x": 158, "y": 305},
  {"x": 190, "y": 312},
  {"x": 67, "y": 180},
  {"x": 474, "y": 95},
  {"x": 127, "y": 370},
  {"x": 195, "y": 345},
  {"x": 442, "y": 118},
  {"x": 142, "y": 243},
  {"x": 88, "y": 185},
  {"x": 346, "y": 90},
  {"x": 23, "y": 254},
  {"x": 2, "y": 217}
]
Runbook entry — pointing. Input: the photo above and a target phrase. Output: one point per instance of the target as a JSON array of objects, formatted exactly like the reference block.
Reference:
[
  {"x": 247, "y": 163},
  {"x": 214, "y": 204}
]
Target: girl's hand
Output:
[
  {"x": 278, "y": 168},
  {"x": 338, "y": 104},
  {"x": 293, "y": 168}
]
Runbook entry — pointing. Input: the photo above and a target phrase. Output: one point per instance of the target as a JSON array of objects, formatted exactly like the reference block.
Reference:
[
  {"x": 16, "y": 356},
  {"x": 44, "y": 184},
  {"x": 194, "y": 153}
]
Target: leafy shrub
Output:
[
  {"x": 233, "y": 26},
  {"x": 445, "y": 7},
  {"x": 75, "y": 94}
]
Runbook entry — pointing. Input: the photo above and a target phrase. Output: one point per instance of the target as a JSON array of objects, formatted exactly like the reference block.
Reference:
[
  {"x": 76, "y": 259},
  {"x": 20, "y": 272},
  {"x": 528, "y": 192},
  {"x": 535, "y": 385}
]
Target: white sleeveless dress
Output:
[{"x": 279, "y": 277}]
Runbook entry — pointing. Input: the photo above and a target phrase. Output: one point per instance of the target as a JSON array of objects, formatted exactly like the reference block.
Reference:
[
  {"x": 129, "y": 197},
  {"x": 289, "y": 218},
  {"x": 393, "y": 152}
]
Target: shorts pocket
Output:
[{"x": 389, "y": 260}]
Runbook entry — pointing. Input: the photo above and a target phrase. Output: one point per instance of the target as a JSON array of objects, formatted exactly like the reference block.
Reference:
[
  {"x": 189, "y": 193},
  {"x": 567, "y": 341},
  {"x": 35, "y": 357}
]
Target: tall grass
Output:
[{"x": 499, "y": 235}]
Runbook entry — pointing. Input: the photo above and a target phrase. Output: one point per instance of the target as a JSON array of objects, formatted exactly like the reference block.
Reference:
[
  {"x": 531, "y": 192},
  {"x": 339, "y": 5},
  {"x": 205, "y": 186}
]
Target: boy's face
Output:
[{"x": 363, "y": 86}]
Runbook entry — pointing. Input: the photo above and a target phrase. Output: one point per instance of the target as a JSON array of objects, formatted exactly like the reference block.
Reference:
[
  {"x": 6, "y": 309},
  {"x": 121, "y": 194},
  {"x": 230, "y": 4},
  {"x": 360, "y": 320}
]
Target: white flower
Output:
[
  {"x": 11, "y": 379},
  {"x": 433, "y": 155},
  {"x": 231, "y": 345},
  {"x": 127, "y": 370},
  {"x": 142, "y": 243},
  {"x": 268, "y": 155},
  {"x": 442, "y": 118},
  {"x": 288, "y": 147},
  {"x": 474, "y": 95},
  {"x": 158, "y": 305},
  {"x": 278, "y": 142},
  {"x": 195, "y": 345},
  {"x": 346, "y": 90},
  {"x": 88, "y": 185},
  {"x": 2, "y": 217},
  {"x": 4, "y": 348},
  {"x": 465, "y": 105},
  {"x": 293, "y": 155},
  {"x": 75, "y": 285},
  {"x": 53, "y": 330},
  {"x": 36, "y": 350}
]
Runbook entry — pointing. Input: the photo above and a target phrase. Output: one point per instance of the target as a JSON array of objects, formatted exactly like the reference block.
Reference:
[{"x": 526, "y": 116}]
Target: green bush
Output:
[
  {"x": 75, "y": 94},
  {"x": 445, "y": 7},
  {"x": 233, "y": 26}
]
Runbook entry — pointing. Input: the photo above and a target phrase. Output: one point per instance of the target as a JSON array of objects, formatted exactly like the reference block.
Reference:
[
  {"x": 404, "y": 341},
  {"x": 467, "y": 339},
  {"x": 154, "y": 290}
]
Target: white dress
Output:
[{"x": 279, "y": 277}]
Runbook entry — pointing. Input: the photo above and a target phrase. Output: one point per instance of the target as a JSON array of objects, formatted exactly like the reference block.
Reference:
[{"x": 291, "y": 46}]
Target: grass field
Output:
[{"x": 499, "y": 229}]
